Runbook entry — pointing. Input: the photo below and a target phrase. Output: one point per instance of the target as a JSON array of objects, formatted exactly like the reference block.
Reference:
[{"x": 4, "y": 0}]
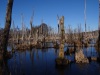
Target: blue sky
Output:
[{"x": 73, "y": 11}]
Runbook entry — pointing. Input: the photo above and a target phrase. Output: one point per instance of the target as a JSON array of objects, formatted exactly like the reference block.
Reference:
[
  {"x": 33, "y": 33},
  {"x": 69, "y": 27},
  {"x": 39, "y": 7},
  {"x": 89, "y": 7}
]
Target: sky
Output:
[{"x": 47, "y": 10}]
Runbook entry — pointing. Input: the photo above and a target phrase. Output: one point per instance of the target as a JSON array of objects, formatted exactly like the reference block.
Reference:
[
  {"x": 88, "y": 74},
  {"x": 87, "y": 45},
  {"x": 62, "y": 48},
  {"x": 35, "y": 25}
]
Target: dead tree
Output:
[{"x": 5, "y": 37}]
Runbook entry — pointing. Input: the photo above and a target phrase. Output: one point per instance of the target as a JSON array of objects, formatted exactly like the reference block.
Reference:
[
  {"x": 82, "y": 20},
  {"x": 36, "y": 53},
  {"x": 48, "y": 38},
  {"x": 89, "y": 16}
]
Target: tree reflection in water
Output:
[
  {"x": 42, "y": 62},
  {"x": 4, "y": 67}
]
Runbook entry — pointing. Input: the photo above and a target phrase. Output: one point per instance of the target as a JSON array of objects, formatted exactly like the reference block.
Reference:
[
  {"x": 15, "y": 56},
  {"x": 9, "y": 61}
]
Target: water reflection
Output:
[
  {"x": 42, "y": 62},
  {"x": 71, "y": 57},
  {"x": 89, "y": 69},
  {"x": 90, "y": 52},
  {"x": 4, "y": 70},
  {"x": 31, "y": 56}
]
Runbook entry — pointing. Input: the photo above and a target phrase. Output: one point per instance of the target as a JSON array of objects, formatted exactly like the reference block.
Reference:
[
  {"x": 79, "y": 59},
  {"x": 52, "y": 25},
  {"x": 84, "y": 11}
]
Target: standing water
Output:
[{"x": 42, "y": 62}]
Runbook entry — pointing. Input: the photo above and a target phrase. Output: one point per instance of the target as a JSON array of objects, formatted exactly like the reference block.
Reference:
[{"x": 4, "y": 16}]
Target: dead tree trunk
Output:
[{"x": 4, "y": 41}]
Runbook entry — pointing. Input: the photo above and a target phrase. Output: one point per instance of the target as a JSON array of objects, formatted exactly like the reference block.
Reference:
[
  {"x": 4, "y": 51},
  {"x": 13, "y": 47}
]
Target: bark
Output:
[
  {"x": 31, "y": 27},
  {"x": 4, "y": 41}
]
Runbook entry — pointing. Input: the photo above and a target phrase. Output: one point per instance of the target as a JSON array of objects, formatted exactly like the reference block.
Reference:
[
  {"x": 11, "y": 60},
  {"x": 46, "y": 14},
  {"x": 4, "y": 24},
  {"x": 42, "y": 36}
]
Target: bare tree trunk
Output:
[{"x": 4, "y": 41}]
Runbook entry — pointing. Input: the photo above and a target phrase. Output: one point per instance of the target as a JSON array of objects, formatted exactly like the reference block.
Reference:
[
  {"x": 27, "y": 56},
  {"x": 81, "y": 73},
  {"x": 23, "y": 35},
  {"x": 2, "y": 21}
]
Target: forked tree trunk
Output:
[{"x": 4, "y": 41}]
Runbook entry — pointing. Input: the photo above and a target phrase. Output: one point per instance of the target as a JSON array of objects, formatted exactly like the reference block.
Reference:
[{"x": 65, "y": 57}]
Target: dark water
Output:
[{"x": 42, "y": 62}]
